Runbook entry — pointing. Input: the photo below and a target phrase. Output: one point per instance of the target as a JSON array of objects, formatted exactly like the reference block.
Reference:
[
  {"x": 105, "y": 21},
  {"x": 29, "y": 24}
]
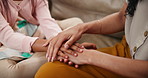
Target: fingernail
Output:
[
  {"x": 76, "y": 66},
  {"x": 65, "y": 60},
  {"x": 75, "y": 54},
  {"x": 66, "y": 46},
  {"x": 81, "y": 50},
  {"x": 82, "y": 47},
  {"x": 52, "y": 59},
  {"x": 60, "y": 60},
  {"x": 70, "y": 63},
  {"x": 48, "y": 59},
  {"x": 66, "y": 57}
]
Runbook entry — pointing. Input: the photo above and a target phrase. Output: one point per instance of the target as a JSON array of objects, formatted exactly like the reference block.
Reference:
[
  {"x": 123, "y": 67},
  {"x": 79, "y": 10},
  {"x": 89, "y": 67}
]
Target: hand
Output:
[
  {"x": 82, "y": 58},
  {"x": 64, "y": 57},
  {"x": 68, "y": 36},
  {"x": 89, "y": 45},
  {"x": 78, "y": 48}
]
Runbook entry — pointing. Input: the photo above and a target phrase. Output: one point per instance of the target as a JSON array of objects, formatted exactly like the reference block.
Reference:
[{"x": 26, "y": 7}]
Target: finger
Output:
[
  {"x": 60, "y": 53},
  {"x": 70, "y": 63},
  {"x": 69, "y": 42},
  {"x": 76, "y": 66},
  {"x": 52, "y": 48},
  {"x": 69, "y": 51},
  {"x": 51, "y": 51},
  {"x": 76, "y": 48},
  {"x": 92, "y": 46},
  {"x": 60, "y": 58},
  {"x": 47, "y": 42},
  {"x": 56, "y": 46},
  {"x": 79, "y": 45},
  {"x": 65, "y": 60},
  {"x": 95, "y": 47},
  {"x": 47, "y": 54}
]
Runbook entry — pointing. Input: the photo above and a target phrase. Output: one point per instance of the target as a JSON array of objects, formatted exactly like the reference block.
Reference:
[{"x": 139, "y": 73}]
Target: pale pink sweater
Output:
[{"x": 37, "y": 14}]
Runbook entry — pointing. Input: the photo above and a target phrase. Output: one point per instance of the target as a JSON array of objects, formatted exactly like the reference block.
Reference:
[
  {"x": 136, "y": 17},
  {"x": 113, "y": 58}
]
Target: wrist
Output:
[
  {"x": 91, "y": 57},
  {"x": 82, "y": 28},
  {"x": 89, "y": 27},
  {"x": 94, "y": 57}
]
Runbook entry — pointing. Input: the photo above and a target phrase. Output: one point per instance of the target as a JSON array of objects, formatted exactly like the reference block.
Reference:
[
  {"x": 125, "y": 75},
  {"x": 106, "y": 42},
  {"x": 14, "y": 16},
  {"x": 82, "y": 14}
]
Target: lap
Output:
[
  {"x": 22, "y": 69},
  {"x": 57, "y": 69},
  {"x": 61, "y": 70}
]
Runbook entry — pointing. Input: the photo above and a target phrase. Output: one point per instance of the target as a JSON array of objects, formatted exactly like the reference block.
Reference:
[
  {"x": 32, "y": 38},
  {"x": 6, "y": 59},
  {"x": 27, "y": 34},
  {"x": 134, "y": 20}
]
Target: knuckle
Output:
[
  {"x": 70, "y": 51},
  {"x": 51, "y": 43},
  {"x": 56, "y": 49},
  {"x": 57, "y": 46},
  {"x": 76, "y": 44},
  {"x": 76, "y": 48},
  {"x": 59, "y": 53},
  {"x": 63, "y": 49}
]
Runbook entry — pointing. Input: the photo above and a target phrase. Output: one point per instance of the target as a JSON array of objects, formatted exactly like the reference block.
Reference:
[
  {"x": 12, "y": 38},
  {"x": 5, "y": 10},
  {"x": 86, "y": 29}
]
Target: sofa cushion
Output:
[{"x": 87, "y": 10}]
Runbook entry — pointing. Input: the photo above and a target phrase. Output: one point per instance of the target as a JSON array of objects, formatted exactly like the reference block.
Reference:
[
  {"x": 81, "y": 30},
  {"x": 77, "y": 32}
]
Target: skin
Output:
[
  {"x": 38, "y": 44},
  {"x": 17, "y": 0},
  {"x": 110, "y": 24},
  {"x": 122, "y": 66}
]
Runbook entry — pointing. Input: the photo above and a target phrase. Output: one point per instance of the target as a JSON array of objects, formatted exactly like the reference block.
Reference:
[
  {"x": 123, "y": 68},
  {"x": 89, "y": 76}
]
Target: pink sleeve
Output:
[
  {"x": 48, "y": 25},
  {"x": 14, "y": 40}
]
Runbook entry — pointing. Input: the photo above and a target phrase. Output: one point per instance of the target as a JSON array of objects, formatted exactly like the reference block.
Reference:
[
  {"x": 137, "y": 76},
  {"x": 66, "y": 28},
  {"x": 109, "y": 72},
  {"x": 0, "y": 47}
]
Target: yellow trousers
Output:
[{"x": 61, "y": 70}]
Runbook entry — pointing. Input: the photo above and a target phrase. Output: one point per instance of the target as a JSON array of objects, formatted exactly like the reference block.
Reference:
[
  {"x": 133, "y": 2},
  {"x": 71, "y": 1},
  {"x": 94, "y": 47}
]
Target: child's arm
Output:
[{"x": 48, "y": 25}]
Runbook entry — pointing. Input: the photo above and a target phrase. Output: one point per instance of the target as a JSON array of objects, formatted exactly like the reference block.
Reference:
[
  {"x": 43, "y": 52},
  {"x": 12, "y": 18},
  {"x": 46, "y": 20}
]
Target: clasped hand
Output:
[{"x": 70, "y": 55}]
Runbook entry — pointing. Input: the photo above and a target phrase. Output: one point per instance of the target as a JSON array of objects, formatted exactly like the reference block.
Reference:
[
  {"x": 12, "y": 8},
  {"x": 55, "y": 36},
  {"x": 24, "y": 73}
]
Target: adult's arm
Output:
[
  {"x": 123, "y": 66},
  {"x": 110, "y": 24},
  {"x": 130, "y": 68}
]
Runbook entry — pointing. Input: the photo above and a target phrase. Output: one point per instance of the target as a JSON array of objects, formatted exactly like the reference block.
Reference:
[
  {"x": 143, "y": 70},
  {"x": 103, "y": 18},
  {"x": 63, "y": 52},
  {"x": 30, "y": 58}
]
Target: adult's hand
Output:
[
  {"x": 73, "y": 50},
  {"x": 63, "y": 57},
  {"x": 82, "y": 58},
  {"x": 68, "y": 36},
  {"x": 76, "y": 48}
]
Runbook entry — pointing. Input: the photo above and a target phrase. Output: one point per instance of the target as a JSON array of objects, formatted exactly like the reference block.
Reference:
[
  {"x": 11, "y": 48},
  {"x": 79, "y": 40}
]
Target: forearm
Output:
[
  {"x": 110, "y": 24},
  {"x": 38, "y": 46},
  {"x": 123, "y": 66}
]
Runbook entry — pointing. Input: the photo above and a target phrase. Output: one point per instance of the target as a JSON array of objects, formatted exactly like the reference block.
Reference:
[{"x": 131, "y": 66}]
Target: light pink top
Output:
[{"x": 37, "y": 14}]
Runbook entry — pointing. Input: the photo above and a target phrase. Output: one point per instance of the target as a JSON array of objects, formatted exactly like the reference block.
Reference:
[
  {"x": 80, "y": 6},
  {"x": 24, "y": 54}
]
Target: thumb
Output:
[
  {"x": 47, "y": 42},
  {"x": 44, "y": 45}
]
